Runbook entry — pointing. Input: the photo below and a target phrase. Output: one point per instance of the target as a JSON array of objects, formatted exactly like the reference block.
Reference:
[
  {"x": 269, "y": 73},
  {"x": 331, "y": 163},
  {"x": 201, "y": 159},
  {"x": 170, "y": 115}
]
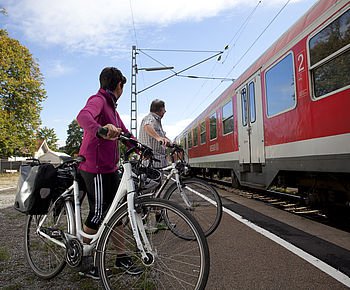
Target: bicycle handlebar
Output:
[
  {"x": 73, "y": 161},
  {"x": 137, "y": 146},
  {"x": 102, "y": 131},
  {"x": 174, "y": 146}
]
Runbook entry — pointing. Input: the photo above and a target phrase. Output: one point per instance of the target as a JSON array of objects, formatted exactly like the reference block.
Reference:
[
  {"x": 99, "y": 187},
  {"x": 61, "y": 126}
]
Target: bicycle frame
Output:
[
  {"x": 173, "y": 172},
  {"x": 126, "y": 187}
]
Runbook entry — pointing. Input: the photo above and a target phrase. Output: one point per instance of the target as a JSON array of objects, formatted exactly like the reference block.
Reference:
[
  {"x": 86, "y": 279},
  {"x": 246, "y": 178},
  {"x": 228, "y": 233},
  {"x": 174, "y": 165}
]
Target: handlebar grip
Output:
[
  {"x": 102, "y": 131},
  {"x": 127, "y": 135},
  {"x": 168, "y": 144}
]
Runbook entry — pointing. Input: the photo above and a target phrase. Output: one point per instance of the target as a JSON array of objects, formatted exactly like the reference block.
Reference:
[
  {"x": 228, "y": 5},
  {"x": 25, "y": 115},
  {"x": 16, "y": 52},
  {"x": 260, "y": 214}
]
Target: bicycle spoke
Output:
[{"x": 178, "y": 263}]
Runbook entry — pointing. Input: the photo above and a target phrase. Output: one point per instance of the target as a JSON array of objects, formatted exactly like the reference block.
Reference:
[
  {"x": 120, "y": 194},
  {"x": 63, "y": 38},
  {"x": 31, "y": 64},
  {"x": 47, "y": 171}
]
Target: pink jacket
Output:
[{"x": 101, "y": 155}]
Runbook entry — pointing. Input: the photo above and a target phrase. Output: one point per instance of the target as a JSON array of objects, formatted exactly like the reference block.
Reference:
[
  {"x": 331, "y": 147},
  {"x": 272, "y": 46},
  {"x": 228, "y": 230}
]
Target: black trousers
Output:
[{"x": 101, "y": 189}]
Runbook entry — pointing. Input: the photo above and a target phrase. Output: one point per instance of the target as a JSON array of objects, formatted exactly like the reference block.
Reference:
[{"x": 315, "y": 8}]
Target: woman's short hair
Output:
[
  {"x": 110, "y": 77},
  {"x": 156, "y": 106}
]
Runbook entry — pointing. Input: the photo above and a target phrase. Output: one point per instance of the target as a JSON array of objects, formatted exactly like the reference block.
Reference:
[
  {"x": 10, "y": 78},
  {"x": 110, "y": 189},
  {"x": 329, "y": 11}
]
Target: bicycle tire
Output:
[
  {"x": 177, "y": 263},
  {"x": 206, "y": 204},
  {"x": 46, "y": 258}
]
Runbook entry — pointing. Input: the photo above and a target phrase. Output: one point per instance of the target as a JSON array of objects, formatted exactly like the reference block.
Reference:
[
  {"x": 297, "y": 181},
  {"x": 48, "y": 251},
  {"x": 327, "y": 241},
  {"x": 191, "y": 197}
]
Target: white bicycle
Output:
[
  {"x": 198, "y": 197},
  {"x": 55, "y": 239}
]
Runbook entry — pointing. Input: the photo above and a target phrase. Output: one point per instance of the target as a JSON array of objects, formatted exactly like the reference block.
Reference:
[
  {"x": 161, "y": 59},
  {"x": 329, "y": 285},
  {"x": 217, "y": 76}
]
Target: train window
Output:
[
  {"x": 251, "y": 87},
  {"x": 203, "y": 133},
  {"x": 183, "y": 142},
  {"x": 213, "y": 126},
  {"x": 244, "y": 106},
  {"x": 195, "y": 136},
  {"x": 280, "y": 89},
  {"x": 330, "y": 56},
  {"x": 189, "y": 138},
  {"x": 227, "y": 118}
]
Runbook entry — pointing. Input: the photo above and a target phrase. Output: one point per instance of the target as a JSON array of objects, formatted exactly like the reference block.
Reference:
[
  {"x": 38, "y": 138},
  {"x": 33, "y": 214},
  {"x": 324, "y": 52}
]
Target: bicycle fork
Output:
[
  {"x": 138, "y": 228},
  {"x": 182, "y": 194}
]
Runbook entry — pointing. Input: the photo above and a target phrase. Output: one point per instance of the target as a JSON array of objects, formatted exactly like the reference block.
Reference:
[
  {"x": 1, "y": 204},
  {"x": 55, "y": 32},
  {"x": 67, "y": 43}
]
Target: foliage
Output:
[
  {"x": 4, "y": 254},
  {"x": 50, "y": 136},
  {"x": 74, "y": 138},
  {"x": 331, "y": 62},
  {"x": 21, "y": 95},
  {"x": 122, "y": 150}
]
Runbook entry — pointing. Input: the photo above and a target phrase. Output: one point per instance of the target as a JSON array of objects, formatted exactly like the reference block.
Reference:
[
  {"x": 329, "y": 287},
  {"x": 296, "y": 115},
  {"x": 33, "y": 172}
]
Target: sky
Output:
[{"x": 73, "y": 40}]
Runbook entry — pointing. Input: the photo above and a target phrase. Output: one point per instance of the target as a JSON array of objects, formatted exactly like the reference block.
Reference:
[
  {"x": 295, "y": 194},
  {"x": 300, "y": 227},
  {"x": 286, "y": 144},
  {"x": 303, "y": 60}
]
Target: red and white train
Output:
[{"x": 286, "y": 120}]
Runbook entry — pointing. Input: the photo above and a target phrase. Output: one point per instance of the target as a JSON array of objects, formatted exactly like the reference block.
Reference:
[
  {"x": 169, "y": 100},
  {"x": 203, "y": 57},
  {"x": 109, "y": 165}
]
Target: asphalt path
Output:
[{"x": 242, "y": 257}]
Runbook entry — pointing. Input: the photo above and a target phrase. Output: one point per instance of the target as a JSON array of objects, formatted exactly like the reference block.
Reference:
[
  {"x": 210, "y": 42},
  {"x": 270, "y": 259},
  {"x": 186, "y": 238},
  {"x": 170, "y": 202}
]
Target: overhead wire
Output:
[
  {"x": 133, "y": 22},
  {"x": 229, "y": 49},
  {"x": 177, "y": 73},
  {"x": 204, "y": 77},
  {"x": 157, "y": 61},
  {"x": 142, "y": 50},
  {"x": 236, "y": 36},
  {"x": 134, "y": 30},
  {"x": 255, "y": 41},
  {"x": 241, "y": 29},
  {"x": 179, "y": 50},
  {"x": 245, "y": 53}
]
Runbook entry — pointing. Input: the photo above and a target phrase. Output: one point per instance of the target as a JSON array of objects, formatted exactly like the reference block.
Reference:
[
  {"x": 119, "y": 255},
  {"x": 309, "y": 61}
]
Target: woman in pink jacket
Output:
[{"x": 101, "y": 153}]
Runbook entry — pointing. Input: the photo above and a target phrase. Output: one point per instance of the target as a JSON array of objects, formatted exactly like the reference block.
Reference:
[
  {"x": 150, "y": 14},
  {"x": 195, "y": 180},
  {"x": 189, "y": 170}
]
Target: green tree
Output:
[
  {"x": 21, "y": 95},
  {"x": 74, "y": 138},
  {"x": 50, "y": 136}
]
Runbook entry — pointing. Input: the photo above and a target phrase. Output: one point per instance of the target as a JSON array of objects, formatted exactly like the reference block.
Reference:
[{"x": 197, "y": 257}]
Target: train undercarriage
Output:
[{"x": 328, "y": 191}]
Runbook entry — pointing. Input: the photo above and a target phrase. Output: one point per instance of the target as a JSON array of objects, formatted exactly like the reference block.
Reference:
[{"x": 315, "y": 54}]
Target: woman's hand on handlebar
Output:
[{"x": 109, "y": 132}]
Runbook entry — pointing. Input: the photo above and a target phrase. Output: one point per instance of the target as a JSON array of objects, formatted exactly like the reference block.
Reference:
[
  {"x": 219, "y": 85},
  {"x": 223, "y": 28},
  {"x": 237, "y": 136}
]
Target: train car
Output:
[{"x": 285, "y": 122}]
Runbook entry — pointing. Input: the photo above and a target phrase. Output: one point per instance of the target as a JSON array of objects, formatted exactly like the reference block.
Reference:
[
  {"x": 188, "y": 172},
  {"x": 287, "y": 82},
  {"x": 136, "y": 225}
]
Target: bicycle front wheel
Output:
[
  {"x": 46, "y": 258},
  {"x": 204, "y": 202},
  {"x": 174, "y": 263}
]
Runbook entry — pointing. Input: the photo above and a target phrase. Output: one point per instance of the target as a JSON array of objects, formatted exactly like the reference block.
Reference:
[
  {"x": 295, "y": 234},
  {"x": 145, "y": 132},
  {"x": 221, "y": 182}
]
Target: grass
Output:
[
  {"x": 12, "y": 287},
  {"x": 4, "y": 255},
  {"x": 7, "y": 175},
  {"x": 88, "y": 284}
]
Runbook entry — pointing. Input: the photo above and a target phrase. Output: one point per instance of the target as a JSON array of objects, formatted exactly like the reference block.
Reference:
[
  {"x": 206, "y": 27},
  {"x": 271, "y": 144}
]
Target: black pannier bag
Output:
[{"x": 36, "y": 188}]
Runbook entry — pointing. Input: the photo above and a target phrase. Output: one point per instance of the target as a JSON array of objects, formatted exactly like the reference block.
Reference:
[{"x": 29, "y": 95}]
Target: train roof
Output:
[{"x": 281, "y": 43}]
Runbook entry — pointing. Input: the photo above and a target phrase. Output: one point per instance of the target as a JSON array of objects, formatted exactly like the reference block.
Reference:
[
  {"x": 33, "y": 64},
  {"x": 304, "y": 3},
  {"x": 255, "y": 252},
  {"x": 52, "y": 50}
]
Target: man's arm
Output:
[{"x": 151, "y": 132}]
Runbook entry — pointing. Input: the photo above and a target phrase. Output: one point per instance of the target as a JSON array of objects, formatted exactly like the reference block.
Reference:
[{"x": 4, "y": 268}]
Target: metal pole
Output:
[{"x": 133, "y": 113}]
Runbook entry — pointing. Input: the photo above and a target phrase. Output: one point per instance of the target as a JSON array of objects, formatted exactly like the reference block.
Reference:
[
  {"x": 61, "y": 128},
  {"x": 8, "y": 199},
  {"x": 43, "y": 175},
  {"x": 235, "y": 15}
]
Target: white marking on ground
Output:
[{"x": 341, "y": 277}]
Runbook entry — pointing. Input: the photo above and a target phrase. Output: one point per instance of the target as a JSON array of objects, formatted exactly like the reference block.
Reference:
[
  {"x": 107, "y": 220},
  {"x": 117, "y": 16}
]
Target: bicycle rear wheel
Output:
[
  {"x": 46, "y": 258},
  {"x": 174, "y": 263},
  {"x": 205, "y": 203}
]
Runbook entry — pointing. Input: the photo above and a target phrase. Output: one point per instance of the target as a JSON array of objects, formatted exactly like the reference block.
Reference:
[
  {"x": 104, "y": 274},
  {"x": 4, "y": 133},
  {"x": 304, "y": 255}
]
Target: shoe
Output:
[
  {"x": 93, "y": 273},
  {"x": 125, "y": 262}
]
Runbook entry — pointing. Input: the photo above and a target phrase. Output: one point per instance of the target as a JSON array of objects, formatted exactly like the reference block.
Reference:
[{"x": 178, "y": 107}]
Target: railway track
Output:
[{"x": 289, "y": 202}]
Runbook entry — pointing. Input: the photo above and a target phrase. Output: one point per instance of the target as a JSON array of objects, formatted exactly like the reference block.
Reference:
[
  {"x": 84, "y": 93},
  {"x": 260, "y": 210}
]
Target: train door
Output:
[{"x": 250, "y": 123}]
